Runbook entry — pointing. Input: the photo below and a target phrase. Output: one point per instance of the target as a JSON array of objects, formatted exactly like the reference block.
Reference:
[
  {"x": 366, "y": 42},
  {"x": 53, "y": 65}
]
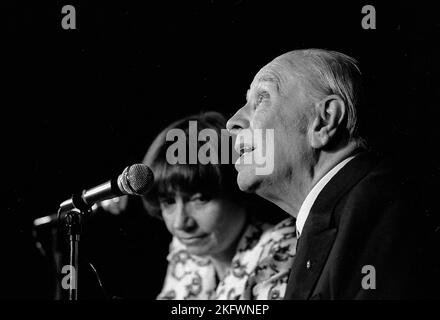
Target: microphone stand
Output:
[{"x": 73, "y": 222}]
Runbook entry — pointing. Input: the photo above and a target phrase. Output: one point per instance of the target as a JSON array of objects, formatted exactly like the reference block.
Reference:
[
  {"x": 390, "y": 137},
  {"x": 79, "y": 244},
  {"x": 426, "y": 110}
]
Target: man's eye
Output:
[{"x": 261, "y": 97}]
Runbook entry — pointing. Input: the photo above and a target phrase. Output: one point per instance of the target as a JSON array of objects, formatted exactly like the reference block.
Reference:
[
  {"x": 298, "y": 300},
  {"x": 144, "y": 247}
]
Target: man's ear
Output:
[{"x": 330, "y": 112}]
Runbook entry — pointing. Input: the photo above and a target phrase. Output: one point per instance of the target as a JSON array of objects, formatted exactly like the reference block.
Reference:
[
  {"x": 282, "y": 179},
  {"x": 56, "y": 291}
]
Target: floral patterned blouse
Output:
[{"x": 259, "y": 270}]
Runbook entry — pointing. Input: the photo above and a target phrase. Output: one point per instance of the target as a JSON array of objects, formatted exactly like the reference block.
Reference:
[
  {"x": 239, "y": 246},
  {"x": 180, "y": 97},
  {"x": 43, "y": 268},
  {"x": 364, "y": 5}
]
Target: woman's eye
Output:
[
  {"x": 200, "y": 199},
  {"x": 166, "y": 201}
]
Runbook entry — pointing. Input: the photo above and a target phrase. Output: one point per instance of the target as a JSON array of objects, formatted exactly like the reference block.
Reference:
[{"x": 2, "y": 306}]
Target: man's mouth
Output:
[{"x": 245, "y": 149}]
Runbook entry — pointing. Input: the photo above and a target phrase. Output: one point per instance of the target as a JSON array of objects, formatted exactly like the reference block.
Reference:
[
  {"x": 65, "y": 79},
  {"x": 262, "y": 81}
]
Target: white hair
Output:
[{"x": 325, "y": 73}]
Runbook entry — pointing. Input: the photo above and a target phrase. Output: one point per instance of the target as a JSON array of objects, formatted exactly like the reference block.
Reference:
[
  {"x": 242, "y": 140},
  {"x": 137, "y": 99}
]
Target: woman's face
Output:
[{"x": 207, "y": 226}]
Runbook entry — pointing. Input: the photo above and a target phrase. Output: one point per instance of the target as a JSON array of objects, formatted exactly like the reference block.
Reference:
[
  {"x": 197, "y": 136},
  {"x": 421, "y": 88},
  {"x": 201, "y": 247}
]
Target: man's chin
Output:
[{"x": 248, "y": 181}]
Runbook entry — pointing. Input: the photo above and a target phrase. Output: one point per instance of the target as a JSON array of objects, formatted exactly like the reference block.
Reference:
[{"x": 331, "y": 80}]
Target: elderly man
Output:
[{"x": 359, "y": 233}]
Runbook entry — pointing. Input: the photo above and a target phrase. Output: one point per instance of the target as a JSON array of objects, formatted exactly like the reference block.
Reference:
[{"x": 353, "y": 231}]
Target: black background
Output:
[{"x": 80, "y": 105}]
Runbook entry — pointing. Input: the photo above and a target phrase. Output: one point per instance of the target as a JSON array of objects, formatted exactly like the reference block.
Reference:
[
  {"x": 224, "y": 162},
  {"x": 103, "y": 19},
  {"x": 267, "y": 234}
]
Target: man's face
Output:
[{"x": 275, "y": 100}]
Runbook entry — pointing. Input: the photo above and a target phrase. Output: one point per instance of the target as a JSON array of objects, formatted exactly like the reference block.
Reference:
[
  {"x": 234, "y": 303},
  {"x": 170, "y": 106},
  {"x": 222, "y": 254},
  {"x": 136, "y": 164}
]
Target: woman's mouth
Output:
[{"x": 192, "y": 240}]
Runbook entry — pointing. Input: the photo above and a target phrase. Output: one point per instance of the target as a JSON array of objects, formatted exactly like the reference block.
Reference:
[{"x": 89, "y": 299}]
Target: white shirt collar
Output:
[{"x": 314, "y": 193}]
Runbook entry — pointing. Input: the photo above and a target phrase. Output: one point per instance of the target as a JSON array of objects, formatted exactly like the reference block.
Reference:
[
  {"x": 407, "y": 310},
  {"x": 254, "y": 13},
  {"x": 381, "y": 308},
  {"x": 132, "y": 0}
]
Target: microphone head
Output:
[{"x": 136, "y": 179}]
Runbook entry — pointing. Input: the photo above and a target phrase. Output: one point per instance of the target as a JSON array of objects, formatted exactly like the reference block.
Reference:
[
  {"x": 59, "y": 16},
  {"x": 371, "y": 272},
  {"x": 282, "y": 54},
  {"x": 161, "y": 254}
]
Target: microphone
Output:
[{"x": 134, "y": 180}]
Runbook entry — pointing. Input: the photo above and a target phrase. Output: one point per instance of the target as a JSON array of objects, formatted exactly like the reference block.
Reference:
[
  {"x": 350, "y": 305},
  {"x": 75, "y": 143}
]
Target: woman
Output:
[{"x": 221, "y": 247}]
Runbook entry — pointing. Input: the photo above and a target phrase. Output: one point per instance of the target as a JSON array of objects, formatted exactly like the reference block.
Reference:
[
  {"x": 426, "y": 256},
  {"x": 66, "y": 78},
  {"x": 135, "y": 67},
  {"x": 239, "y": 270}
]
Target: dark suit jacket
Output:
[{"x": 364, "y": 216}]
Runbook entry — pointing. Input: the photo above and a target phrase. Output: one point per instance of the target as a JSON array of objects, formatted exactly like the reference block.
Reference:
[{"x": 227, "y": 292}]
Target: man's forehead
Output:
[
  {"x": 276, "y": 72},
  {"x": 269, "y": 72}
]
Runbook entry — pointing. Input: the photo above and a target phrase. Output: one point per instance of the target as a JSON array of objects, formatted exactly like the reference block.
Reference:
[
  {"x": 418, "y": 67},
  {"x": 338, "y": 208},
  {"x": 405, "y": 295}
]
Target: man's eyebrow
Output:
[
  {"x": 268, "y": 78},
  {"x": 271, "y": 77}
]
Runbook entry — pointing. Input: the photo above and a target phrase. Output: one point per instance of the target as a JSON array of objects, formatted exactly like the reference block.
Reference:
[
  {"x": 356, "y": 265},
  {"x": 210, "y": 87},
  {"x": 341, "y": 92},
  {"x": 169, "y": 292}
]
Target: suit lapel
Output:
[
  {"x": 309, "y": 261},
  {"x": 318, "y": 233}
]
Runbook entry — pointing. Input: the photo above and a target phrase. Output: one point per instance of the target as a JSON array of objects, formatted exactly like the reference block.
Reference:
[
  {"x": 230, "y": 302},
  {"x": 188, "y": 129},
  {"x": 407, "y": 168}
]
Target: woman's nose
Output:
[
  {"x": 239, "y": 121},
  {"x": 183, "y": 220}
]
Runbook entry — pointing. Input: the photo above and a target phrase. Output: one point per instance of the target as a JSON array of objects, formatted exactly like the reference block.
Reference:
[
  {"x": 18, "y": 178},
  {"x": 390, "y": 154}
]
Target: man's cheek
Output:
[
  {"x": 261, "y": 119},
  {"x": 264, "y": 157}
]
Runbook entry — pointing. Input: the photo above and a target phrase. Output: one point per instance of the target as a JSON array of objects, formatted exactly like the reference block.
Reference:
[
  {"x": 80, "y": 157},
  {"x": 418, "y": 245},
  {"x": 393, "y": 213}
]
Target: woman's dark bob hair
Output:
[{"x": 214, "y": 180}]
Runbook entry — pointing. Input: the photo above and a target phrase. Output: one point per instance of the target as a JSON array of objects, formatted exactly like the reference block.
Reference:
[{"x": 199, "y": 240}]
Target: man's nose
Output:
[
  {"x": 239, "y": 121},
  {"x": 183, "y": 221}
]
